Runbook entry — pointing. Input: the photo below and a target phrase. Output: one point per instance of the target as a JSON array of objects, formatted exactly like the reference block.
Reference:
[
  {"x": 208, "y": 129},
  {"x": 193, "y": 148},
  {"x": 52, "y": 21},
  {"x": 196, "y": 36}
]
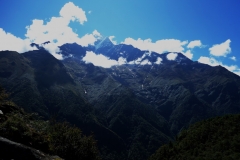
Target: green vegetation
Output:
[
  {"x": 216, "y": 138},
  {"x": 52, "y": 137}
]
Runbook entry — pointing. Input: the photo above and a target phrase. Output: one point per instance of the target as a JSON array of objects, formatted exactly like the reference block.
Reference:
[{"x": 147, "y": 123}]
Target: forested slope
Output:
[{"x": 213, "y": 139}]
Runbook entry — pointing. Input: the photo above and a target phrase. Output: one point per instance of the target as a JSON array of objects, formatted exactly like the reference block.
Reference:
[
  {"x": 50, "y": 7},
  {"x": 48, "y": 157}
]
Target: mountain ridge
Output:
[{"x": 141, "y": 98}]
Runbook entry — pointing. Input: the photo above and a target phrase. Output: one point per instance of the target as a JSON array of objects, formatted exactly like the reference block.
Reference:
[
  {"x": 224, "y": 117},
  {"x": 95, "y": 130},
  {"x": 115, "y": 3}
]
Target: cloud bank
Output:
[
  {"x": 160, "y": 46},
  {"x": 10, "y": 42},
  {"x": 105, "y": 62},
  {"x": 165, "y": 45},
  {"x": 213, "y": 62}
]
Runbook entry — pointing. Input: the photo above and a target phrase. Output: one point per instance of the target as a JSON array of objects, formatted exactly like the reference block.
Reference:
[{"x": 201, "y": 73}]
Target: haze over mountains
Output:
[{"x": 132, "y": 100}]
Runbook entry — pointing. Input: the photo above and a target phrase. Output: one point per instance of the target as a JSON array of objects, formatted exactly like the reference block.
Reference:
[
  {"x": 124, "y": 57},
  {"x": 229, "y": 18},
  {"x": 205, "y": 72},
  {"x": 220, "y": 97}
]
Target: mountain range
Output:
[{"x": 135, "y": 105}]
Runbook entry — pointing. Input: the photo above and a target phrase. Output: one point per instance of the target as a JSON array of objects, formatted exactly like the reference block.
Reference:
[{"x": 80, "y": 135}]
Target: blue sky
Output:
[{"x": 205, "y": 31}]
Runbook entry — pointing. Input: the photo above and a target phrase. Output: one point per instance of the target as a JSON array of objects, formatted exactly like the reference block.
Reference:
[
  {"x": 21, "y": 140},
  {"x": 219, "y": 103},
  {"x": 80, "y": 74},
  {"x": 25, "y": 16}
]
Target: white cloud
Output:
[
  {"x": 99, "y": 60},
  {"x": 113, "y": 41},
  {"x": 122, "y": 61},
  {"x": 209, "y": 60},
  {"x": 158, "y": 61},
  {"x": 137, "y": 61},
  {"x": 195, "y": 43},
  {"x": 191, "y": 45},
  {"x": 103, "y": 61},
  {"x": 146, "y": 62},
  {"x": 36, "y": 30},
  {"x": 172, "y": 56},
  {"x": 57, "y": 30},
  {"x": 221, "y": 49},
  {"x": 188, "y": 54},
  {"x": 131, "y": 62},
  {"x": 54, "y": 50},
  {"x": 233, "y": 58},
  {"x": 88, "y": 38},
  {"x": 10, "y": 42},
  {"x": 96, "y": 34},
  {"x": 71, "y": 12},
  {"x": 213, "y": 62},
  {"x": 160, "y": 46},
  {"x": 89, "y": 12}
]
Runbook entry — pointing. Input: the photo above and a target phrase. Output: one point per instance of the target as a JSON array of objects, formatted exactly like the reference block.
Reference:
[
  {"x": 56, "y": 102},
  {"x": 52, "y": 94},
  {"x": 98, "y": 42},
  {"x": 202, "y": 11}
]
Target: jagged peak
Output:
[{"x": 103, "y": 42}]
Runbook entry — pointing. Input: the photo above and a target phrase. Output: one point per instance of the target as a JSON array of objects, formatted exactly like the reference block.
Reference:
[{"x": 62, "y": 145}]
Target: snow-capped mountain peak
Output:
[{"x": 102, "y": 43}]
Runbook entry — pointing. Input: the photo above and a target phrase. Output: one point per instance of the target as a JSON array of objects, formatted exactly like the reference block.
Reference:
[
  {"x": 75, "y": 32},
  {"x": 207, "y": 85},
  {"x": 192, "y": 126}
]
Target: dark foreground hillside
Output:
[
  {"x": 212, "y": 139},
  {"x": 25, "y": 136}
]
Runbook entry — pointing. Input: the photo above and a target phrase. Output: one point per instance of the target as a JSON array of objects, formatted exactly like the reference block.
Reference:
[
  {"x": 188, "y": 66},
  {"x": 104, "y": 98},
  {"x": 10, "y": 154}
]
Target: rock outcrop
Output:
[{"x": 17, "y": 151}]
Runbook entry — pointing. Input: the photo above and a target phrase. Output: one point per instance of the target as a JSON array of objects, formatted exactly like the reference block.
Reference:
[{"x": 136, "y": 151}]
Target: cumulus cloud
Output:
[
  {"x": 213, "y": 62},
  {"x": 172, "y": 56},
  {"x": 195, "y": 43},
  {"x": 71, "y": 12},
  {"x": 191, "y": 45},
  {"x": 99, "y": 60},
  {"x": 10, "y": 42},
  {"x": 58, "y": 31},
  {"x": 160, "y": 46},
  {"x": 221, "y": 49}
]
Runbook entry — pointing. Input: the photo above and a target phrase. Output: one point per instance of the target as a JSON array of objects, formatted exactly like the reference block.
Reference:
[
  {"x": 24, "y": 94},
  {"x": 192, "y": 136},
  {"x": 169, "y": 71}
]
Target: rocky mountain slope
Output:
[{"x": 131, "y": 108}]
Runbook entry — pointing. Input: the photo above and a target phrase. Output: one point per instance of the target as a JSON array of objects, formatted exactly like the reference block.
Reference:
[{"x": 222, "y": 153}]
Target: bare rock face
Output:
[{"x": 12, "y": 150}]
